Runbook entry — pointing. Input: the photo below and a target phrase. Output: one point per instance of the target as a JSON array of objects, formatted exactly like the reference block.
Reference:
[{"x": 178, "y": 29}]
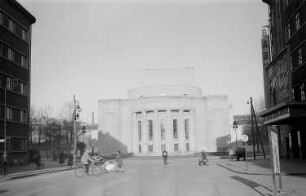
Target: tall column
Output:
[
  {"x": 156, "y": 133},
  {"x": 144, "y": 133},
  {"x": 169, "y": 135},
  {"x": 181, "y": 131},
  {"x": 300, "y": 144},
  {"x": 135, "y": 132},
  {"x": 192, "y": 131}
]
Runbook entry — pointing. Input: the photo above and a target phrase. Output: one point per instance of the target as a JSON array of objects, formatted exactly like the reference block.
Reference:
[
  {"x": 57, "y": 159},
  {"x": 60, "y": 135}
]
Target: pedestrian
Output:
[
  {"x": 165, "y": 156},
  {"x": 85, "y": 159},
  {"x": 61, "y": 158},
  {"x": 119, "y": 159},
  {"x": 203, "y": 159},
  {"x": 70, "y": 159}
]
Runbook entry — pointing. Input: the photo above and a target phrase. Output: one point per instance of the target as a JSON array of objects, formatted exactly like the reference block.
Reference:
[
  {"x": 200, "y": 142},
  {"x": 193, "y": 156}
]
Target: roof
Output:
[{"x": 22, "y": 10}]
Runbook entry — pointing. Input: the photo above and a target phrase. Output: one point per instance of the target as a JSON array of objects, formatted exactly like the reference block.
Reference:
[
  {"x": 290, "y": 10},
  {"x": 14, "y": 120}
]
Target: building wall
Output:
[
  {"x": 15, "y": 55},
  {"x": 208, "y": 120}
]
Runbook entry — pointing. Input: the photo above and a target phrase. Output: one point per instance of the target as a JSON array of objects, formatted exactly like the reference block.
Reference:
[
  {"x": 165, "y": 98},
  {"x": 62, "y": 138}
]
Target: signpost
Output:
[
  {"x": 245, "y": 138},
  {"x": 275, "y": 164}
]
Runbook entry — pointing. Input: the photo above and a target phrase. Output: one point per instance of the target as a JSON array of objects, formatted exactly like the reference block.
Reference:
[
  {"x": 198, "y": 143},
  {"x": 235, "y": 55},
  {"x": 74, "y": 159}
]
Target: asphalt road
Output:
[{"x": 145, "y": 177}]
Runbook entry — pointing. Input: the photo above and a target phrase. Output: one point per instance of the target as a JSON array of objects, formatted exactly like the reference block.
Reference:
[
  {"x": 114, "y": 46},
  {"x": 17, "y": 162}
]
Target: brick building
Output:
[
  {"x": 284, "y": 57},
  {"x": 15, "y": 78}
]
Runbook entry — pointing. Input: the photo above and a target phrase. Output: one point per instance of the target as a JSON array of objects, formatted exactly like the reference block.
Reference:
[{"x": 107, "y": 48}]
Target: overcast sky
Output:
[{"x": 94, "y": 49}]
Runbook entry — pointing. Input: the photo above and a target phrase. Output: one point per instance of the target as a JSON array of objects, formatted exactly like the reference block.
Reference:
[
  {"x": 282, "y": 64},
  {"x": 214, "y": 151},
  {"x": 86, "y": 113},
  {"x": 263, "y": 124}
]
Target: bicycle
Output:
[{"x": 94, "y": 169}]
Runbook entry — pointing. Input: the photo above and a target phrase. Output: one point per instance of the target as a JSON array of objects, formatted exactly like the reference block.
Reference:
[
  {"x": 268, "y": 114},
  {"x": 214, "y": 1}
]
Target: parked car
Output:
[{"x": 238, "y": 152}]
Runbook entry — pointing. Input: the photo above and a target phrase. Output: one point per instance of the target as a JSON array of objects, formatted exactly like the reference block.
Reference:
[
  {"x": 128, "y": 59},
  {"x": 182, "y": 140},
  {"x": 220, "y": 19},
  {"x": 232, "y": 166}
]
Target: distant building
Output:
[
  {"x": 284, "y": 65},
  {"x": 165, "y": 113},
  {"x": 15, "y": 77}
]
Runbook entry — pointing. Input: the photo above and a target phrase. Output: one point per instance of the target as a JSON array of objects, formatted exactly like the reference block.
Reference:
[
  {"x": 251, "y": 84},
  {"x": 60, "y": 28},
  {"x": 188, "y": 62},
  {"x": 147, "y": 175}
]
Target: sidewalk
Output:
[
  {"x": 262, "y": 167},
  {"x": 48, "y": 166}
]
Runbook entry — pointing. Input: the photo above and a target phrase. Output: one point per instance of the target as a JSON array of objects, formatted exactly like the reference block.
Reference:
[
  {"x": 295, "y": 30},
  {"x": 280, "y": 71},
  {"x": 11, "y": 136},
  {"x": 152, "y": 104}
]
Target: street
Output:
[{"x": 148, "y": 176}]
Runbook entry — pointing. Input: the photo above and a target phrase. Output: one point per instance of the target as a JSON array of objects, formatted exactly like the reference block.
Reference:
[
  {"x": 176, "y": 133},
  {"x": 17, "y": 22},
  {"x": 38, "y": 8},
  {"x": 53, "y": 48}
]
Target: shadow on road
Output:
[
  {"x": 3, "y": 191},
  {"x": 260, "y": 189}
]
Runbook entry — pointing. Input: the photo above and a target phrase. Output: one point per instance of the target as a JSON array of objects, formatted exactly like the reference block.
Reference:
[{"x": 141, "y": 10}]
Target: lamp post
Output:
[
  {"x": 235, "y": 126},
  {"x": 76, "y": 111}
]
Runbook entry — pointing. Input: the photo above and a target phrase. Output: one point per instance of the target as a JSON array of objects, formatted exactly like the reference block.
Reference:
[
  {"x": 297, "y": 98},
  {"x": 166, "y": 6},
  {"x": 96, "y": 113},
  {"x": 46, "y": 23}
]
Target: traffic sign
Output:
[{"x": 245, "y": 138}]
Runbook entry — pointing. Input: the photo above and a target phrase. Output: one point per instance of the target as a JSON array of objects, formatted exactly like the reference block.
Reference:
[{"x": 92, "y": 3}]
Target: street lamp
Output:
[
  {"x": 235, "y": 127},
  {"x": 76, "y": 110}
]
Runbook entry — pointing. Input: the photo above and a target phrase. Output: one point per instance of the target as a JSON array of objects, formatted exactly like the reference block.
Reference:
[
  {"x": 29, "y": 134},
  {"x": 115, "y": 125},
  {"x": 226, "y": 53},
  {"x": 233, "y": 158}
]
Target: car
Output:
[{"x": 238, "y": 152}]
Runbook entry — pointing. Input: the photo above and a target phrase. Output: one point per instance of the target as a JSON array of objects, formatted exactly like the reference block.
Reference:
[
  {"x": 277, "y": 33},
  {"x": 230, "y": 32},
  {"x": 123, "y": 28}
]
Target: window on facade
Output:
[
  {"x": 23, "y": 34},
  {"x": 289, "y": 30},
  {"x": 187, "y": 147},
  {"x": 293, "y": 97},
  {"x": 302, "y": 88},
  {"x": 11, "y": 25},
  {"x": 186, "y": 129},
  {"x": 9, "y": 113},
  {"x": 175, "y": 132},
  {"x": 150, "y": 148},
  {"x": 300, "y": 56},
  {"x": 1, "y": 18},
  {"x": 8, "y": 83},
  {"x": 162, "y": 129},
  {"x": 139, "y": 130},
  {"x": 11, "y": 54},
  {"x": 150, "y": 128},
  {"x": 22, "y": 88},
  {"x": 23, "y": 62},
  {"x": 23, "y": 117},
  {"x": 297, "y": 21},
  {"x": 139, "y": 148},
  {"x": 18, "y": 144},
  {"x": 176, "y": 147}
]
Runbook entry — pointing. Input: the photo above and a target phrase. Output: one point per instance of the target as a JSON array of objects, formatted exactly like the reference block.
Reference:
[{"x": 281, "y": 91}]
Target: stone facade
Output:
[{"x": 180, "y": 124}]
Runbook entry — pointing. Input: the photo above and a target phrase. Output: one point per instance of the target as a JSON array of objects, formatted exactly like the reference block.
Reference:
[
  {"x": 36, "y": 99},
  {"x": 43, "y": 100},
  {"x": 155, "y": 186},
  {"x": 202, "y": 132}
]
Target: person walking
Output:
[
  {"x": 165, "y": 156},
  {"x": 85, "y": 159},
  {"x": 61, "y": 158},
  {"x": 119, "y": 159}
]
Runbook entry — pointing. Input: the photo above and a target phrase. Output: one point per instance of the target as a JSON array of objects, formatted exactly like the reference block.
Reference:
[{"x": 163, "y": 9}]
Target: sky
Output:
[{"x": 94, "y": 49}]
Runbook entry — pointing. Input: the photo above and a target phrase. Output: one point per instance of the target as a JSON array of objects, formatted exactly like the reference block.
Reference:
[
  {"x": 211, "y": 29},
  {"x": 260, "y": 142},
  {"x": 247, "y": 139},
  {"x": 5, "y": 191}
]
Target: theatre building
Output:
[
  {"x": 165, "y": 113},
  {"x": 284, "y": 57}
]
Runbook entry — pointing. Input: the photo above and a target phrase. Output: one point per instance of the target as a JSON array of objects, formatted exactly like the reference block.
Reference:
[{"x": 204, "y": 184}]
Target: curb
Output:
[
  {"x": 32, "y": 173},
  {"x": 258, "y": 173}
]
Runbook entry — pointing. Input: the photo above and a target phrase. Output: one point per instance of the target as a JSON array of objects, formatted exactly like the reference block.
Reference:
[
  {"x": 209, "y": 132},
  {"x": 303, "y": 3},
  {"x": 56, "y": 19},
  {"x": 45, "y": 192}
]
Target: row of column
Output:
[{"x": 167, "y": 116}]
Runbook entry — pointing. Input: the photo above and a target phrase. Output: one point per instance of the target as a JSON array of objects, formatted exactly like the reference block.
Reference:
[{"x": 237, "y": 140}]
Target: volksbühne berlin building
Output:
[{"x": 165, "y": 113}]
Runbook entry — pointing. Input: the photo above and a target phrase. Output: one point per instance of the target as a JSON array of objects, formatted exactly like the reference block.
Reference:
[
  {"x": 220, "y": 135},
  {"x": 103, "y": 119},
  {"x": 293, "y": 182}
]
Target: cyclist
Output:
[
  {"x": 86, "y": 160},
  {"x": 203, "y": 159},
  {"x": 165, "y": 156}
]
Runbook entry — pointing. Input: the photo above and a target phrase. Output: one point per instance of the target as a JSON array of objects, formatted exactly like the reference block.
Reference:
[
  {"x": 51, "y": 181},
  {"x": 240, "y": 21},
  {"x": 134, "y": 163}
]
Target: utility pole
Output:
[
  {"x": 74, "y": 131},
  {"x": 253, "y": 134}
]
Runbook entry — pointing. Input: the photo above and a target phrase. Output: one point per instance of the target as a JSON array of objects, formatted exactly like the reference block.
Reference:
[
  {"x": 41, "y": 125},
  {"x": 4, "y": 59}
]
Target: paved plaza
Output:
[{"x": 149, "y": 177}]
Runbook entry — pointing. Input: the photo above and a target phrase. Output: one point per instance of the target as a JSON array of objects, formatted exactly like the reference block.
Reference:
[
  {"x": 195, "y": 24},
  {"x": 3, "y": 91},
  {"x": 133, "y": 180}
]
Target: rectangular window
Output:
[
  {"x": 300, "y": 56},
  {"x": 302, "y": 87},
  {"x": 187, "y": 146},
  {"x": 176, "y": 147},
  {"x": 139, "y": 130},
  {"x": 150, "y": 148},
  {"x": 1, "y": 18},
  {"x": 23, "y": 34},
  {"x": 22, "y": 88},
  {"x": 289, "y": 30},
  {"x": 162, "y": 129},
  {"x": 186, "y": 129},
  {"x": 297, "y": 21},
  {"x": 9, "y": 113},
  {"x": 11, "y": 54},
  {"x": 175, "y": 132},
  {"x": 23, "y": 62},
  {"x": 12, "y": 25},
  {"x": 8, "y": 83},
  {"x": 139, "y": 148},
  {"x": 150, "y": 128},
  {"x": 23, "y": 117},
  {"x": 293, "y": 97}
]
